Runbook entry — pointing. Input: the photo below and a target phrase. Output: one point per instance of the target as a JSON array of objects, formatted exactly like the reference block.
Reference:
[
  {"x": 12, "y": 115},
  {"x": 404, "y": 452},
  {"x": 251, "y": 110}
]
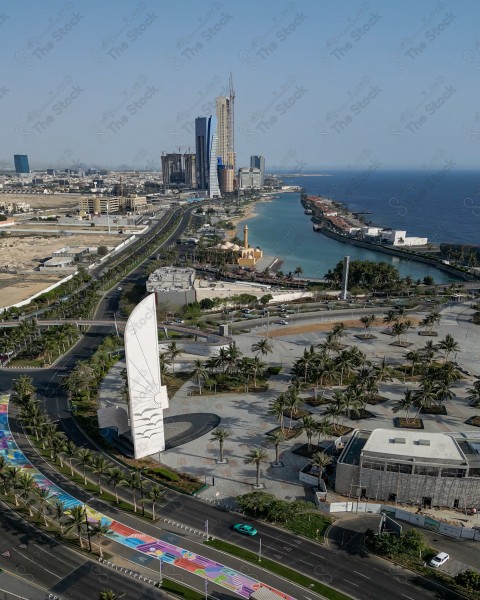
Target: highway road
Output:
[
  {"x": 37, "y": 567},
  {"x": 344, "y": 565}
]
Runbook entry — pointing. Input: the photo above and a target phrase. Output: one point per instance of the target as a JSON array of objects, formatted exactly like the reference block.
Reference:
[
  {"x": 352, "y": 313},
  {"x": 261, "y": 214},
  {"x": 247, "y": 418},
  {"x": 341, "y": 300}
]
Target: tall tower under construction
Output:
[{"x": 225, "y": 108}]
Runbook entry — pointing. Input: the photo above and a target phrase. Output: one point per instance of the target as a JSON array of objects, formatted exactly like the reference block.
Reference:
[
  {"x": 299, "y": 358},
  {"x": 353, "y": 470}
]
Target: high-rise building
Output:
[
  {"x": 21, "y": 164},
  {"x": 249, "y": 178},
  {"x": 172, "y": 169},
  {"x": 202, "y": 150},
  {"x": 225, "y": 131},
  {"x": 213, "y": 186},
  {"x": 258, "y": 162},
  {"x": 190, "y": 170}
]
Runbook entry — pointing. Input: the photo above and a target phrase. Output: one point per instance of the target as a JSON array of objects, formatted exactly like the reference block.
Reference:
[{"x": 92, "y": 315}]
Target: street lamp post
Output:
[
  {"x": 206, "y": 528},
  {"x": 160, "y": 571},
  {"x": 260, "y": 551},
  {"x": 206, "y": 589}
]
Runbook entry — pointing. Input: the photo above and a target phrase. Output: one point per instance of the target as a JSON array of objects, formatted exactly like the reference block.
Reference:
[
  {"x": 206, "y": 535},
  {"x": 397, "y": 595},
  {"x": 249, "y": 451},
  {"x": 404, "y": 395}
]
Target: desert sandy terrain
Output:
[
  {"x": 44, "y": 200},
  {"x": 15, "y": 288}
]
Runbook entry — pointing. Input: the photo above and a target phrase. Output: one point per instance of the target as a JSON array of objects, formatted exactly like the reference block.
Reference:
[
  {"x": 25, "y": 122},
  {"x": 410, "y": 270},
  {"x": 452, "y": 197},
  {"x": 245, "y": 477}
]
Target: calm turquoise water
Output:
[{"x": 282, "y": 229}]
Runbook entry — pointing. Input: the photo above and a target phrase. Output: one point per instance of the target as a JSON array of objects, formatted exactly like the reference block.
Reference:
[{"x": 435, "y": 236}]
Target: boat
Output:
[{"x": 309, "y": 211}]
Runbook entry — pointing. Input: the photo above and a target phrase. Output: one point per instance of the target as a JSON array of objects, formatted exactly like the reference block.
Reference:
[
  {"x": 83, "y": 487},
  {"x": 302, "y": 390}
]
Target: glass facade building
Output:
[{"x": 21, "y": 163}]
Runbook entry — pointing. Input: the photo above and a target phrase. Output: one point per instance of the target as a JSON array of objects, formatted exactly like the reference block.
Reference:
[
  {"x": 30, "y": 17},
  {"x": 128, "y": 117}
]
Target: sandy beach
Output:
[{"x": 249, "y": 212}]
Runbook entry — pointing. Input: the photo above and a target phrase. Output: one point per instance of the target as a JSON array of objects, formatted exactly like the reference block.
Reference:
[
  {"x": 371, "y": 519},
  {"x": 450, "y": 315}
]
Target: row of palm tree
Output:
[
  {"x": 38, "y": 423},
  {"x": 230, "y": 368}
]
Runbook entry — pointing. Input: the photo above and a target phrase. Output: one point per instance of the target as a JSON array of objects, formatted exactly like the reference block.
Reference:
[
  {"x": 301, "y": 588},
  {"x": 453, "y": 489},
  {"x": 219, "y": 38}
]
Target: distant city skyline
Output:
[{"x": 319, "y": 85}]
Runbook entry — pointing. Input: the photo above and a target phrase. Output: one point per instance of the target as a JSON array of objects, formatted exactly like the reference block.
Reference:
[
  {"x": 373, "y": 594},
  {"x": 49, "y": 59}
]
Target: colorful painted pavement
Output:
[{"x": 141, "y": 542}]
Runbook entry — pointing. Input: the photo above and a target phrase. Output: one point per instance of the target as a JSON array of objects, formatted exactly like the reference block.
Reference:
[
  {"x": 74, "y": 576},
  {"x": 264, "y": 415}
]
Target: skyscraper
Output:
[
  {"x": 172, "y": 168},
  {"x": 190, "y": 169},
  {"x": 202, "y": 150},
  {"x": 213, "y": 187},
  {"x": 258, "y": 162},
  {"x": 225, "y": 132},
  {"x": 21, "y": 164}
]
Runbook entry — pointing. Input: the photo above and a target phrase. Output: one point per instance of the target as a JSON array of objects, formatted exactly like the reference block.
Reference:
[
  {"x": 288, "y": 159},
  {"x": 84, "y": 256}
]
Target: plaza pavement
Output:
[{"x": 247, "y": 420}]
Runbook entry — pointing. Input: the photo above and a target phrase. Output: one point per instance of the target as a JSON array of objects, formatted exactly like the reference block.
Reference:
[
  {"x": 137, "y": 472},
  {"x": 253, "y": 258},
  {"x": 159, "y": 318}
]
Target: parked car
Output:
[
  {"x": 439, "y": 560},
  {"x": 245, "y": 529},
  {"x": 282, "y": 322},
  {"x": 179, "y": 321}
]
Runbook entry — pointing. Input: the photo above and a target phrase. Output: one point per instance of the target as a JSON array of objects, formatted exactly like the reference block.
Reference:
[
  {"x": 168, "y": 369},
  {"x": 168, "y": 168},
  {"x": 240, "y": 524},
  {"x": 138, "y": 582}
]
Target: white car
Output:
[
  {"x": 282, "y": 322},
  {"x": 439, "y": 560}
]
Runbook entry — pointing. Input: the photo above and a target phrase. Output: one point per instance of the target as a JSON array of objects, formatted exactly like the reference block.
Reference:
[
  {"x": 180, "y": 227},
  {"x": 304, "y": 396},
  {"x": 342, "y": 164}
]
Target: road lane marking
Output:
[
  {"x": 306, "y": 563},
  {"x": 362, "y": 575},
  {"x": 409, "y": 597},
  {"x": 36, "y": 564},
  {"x": 351, "y": 582}
]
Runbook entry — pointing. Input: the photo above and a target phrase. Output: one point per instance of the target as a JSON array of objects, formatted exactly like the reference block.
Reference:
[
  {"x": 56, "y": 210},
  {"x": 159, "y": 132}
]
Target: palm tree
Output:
[
  {"x": 307, "y": 425},
  {"x": 107, "y": 595},
  {"x": 85, "y": 457},
  {"x": 262, "y": 347},
  {"x": 70, "y": 450},
  {"x": 256, "y": 456},
  {"x": 154, "y": 494},
  {"x": 115, "y": 478},
  {"x": 11, "y": 482},
  {"x": 58, "y": 510},
  {"x": 133, "y": 481},
  {"x": 398, "y": 329},
  {"x": 292, "y": 403},
  {"x": 323, "y": 429},
  {"x": 406, "y": 403},
  {"x": 200, "y": 372},
  {"x": 474, "y": 394},
  {"x": 367, "y": 321},
  {"x": 100, "y": 530},
  {"x": 43, "y": 496},
  {"x": 78, "y": 521},
  {"x": 277, "y": 409},
  {"x": 448, "y": 345},
  {"x": 23, "y": 389},
  {"x": 173, "y": 351},
  {"x": 344, "y": 363},
  {"x": 415, "y": 358},
  {"x": 276, "y": 438},
  {"x": 220, "y": 435},
  {"x": 100, "y": 466},
  {"x": 390, "y": 318},
  {"x": 425, "y": 396},
  {"x": 26, "y": 485},
  {"x": 320, "y": 460}
]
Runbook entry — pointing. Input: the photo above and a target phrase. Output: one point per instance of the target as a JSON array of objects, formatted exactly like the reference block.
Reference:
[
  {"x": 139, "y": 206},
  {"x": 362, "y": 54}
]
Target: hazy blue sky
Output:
[{"x": 318, "y": 84}]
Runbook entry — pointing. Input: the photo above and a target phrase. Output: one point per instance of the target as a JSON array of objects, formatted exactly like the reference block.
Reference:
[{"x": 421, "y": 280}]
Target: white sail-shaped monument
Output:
[{"x": 148, "y": 397}]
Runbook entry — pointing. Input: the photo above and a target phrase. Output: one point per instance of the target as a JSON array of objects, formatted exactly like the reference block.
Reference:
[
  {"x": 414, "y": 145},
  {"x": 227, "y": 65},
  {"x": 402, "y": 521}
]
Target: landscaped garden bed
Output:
[
  {"x": 288, "y": 433},
  {"x": 338, "y": 429},
  {"x": 434, "y": 410},
  {"x": 428, "y": 333},
  {"x": 402, "y": 344},
  {"x": 377, "y": 400},
  {"x": 403, "y": 423},
  {"x": 357, "y": 415},
  {"x": 318, "y": 401},
  {"x": 298, "y": 415},
  {"x": 365, "y": 336}
]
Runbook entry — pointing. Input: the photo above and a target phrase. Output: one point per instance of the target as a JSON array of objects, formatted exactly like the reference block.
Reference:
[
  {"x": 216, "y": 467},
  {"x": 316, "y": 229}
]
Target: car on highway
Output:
[
  {"x": 168, "y": 322},
  {"x": 439, "y": 560},
  {"x": 282, "y": 322},
  {"x": 119, "y": 289},
  {"x": 245, "y": 529}
]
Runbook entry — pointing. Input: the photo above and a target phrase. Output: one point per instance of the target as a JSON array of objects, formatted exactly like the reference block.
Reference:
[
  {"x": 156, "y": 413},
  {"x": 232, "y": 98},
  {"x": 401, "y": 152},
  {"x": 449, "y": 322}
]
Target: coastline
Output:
[{"x": 250, "y": 212}]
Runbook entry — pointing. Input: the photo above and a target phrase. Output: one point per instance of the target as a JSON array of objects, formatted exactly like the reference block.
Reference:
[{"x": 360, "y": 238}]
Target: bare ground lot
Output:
[
  {"x": 25, "y": 252},
  {"x": 42, "y": 201},
  {"x": 15, "y": 288},
  {"x": 280, "y": 332}
]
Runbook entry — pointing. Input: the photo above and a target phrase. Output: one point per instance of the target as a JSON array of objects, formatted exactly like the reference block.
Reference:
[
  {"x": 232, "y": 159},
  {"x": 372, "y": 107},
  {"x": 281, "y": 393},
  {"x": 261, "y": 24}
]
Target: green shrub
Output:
[{"x": 165, "y": 474}]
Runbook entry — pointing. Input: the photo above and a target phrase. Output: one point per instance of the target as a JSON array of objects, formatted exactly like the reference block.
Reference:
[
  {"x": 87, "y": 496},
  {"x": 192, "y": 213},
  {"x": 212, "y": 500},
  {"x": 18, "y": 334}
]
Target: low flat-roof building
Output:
[
  {"x": 173, "y": 285},
  {"x": 412, "y": 467}
]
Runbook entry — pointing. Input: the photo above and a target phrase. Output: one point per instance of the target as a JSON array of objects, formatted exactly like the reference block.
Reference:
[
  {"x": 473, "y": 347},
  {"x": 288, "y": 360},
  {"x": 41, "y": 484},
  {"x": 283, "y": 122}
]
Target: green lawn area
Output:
[
  {"x": 307, "y": 582},
  {"x": 177, "y": 589}
]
